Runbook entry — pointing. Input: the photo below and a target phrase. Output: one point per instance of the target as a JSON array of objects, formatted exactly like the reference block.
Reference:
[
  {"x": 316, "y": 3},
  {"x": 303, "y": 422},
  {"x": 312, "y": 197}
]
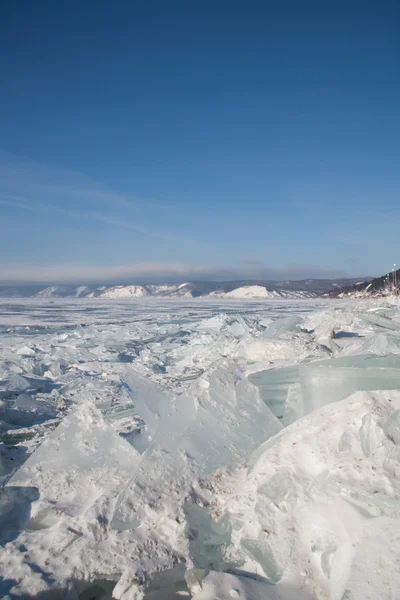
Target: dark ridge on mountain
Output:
[
  {"x": 372, "y": 288},
  {"x": 19, "y": 291},
  {"x": 319, "y": 286}
]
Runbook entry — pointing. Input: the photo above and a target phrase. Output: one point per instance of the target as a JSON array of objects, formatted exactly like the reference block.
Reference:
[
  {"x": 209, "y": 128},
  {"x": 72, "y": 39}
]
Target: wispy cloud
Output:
[
  {"x": 14, "y": 202},
  {"x": 28, "y": 185},
  {"x": 118, "y": 222}
]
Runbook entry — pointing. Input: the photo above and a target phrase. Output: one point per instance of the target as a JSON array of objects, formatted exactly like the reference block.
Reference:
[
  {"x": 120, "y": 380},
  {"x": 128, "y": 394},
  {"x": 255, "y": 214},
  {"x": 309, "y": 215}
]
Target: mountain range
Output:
[{"x": 308, "y": 288}]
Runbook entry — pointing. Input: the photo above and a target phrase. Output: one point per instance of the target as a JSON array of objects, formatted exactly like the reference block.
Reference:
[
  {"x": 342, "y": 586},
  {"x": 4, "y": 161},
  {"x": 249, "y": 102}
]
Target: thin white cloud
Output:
[
  {"x": 28, "y": 185},
  {"x": 118, "y": 222},
  {"x": 10, "y": 200}
]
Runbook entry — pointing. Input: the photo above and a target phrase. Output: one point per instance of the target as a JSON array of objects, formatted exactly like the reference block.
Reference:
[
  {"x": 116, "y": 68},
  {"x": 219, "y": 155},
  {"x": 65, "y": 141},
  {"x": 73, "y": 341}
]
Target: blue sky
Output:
[{"x": 198, "y": 139}]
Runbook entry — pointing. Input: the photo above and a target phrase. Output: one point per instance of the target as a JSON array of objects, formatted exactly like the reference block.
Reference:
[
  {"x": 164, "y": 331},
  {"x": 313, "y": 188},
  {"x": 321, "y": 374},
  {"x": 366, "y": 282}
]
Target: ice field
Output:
[{"x": 163, "y": 449}]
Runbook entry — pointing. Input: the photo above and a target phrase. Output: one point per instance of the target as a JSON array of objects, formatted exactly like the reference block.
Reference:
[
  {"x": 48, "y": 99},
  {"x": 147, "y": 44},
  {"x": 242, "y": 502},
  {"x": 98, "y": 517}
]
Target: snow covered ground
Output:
[{"x": 206, "y": 448}]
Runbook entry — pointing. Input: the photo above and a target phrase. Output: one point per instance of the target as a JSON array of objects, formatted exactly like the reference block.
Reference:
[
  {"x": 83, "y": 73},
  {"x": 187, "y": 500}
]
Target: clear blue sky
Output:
[{"x": 199, "y": 138}]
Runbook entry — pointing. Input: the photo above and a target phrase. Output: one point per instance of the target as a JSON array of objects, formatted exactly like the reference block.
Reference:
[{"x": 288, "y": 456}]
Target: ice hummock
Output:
[
  {"x": 82, "y": 441},
  {"x": 73, "y": 467},
  {"x": 75, "y": 473},
  {"x": 313, "y": 498},
  {"x": 192, "y": 435}
]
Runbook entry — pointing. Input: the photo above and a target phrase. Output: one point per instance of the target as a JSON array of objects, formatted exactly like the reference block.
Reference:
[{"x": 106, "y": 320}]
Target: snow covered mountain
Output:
[
  {"x": 259, "y": 291},
  {"x": 183, "y": 290},
  {"x": 122, "y": 291},
  {"x": 375, "y": 288},
  {"x": 55, "y": 290},
  {"x": 308, "y": 288}
]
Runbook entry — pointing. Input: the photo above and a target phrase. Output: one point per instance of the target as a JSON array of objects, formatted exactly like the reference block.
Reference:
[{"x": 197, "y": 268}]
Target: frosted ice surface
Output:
[
  {"x": 282, "y": 326},
  {"x": 201, "y": 431},
  {"x": 75, "y": 464},
  {"x": 385, "y": 320},
  {"x": 152, "y": 404},
  {"x": 26, "y": 351},
  {"x": 7, "y": 367},
  {"x": 343, "y": 327},
  {"x": 83, "y": 441},
  {"x": 25, "y": 402},
  {"x": 371, "y": 434},
  {"x": 382, "y": 343},
  {"x": 13, "y": 383},
  {"x": 207, "y": 538},
  {"x": 392, "y": 427},
  {"x": 213, "y": 585},
  {"x": 260, "y": 551}
]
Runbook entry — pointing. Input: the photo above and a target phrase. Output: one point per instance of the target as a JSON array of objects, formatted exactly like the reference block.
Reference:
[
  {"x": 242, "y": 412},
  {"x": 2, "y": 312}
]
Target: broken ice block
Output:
[
  {"x": 152, "y": 404},
  {"x": 274, "y": 386},
  {"x": 284, "y": 325},
  {"x": 292, "y": 392},
  {"x": 200, "y": 431},
  {"x": 336, "y": 379},
  {"x": 371, "y": 435},
  {"x": 83, "y": 441},
  {"x": 260, "y": 551},
  {"x": 25, "y": 402},
  {"x": 13, "y": 384}
]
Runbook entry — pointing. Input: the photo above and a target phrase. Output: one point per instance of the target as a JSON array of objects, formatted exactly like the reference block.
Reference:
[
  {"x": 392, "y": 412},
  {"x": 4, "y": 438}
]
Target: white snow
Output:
[
  {"x": 259, "y": 291},
  {"x": 312, "y": 498},
  {"x": 182, "y": 290},
  {"x": 81, "y": 290},
  {"x": 213, "y": 448},
  {"x": 127, "y": 291},
  {"x": 251, "y": 291},
  {"x": 53, "y": 290}
]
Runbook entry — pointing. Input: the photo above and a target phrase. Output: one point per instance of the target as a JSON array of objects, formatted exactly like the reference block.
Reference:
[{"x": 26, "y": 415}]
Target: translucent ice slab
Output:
[
  {"x": 275, "y": 385},
  {"x": 284, "y": 325},
  {"x": 294, "y": 391},
  {"x": 323, "y": 383},
  {"x": 151, "y": 403},
  {"x": 83, "y": 441}
]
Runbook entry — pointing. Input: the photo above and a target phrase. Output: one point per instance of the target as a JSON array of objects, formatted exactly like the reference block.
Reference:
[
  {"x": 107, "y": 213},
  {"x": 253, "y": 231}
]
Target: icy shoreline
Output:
[{"x": 254, "y": 442}]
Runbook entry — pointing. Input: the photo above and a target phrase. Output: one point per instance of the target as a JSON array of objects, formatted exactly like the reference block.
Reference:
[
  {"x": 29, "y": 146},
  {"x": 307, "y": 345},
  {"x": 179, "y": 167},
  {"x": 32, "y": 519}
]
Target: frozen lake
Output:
[{"x": 152, "y": 435}]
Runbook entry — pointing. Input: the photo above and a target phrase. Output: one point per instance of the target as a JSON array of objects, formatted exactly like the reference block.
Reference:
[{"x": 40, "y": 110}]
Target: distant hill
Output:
[
  {"x": 374, "y": 288},
  {"x": 308, "y": 288}
]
